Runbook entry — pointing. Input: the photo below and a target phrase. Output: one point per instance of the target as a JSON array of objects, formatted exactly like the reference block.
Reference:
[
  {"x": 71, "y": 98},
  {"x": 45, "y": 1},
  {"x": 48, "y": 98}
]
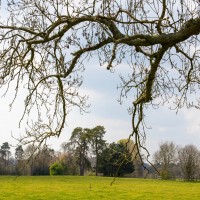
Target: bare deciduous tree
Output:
[
  {"x": 44, "y": 44},
  {"x": 189, "y": 158},
  {"x": 166, "y": 157}
]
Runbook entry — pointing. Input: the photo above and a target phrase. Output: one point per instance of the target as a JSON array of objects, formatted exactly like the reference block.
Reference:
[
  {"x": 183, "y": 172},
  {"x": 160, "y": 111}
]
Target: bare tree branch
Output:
[{"x": 43, "y": 45}]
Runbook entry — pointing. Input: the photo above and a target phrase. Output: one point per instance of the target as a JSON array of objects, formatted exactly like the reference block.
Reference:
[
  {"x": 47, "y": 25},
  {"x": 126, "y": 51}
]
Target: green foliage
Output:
[
  {"x": 19, "y": 156},
  {"x": 69, "y": 163},
  {"x": 57, "y": 169},
  {"x": 115, "y": 160},
  {"x": 94, "y": 188},
  {"x": 98, "y": 143},
  {"x": 79, "y": 142},
  {"x": 84, "y": 141},
  {"x": 4, "y": 158},
  {"x": 19, "y": 153}
]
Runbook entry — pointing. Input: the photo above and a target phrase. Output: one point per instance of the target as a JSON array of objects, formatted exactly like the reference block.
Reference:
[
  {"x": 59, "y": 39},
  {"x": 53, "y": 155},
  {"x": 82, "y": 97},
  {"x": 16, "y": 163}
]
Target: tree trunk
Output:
[
  {"x": 96, "y": 159},
  {"x": 82, "y": 165}
]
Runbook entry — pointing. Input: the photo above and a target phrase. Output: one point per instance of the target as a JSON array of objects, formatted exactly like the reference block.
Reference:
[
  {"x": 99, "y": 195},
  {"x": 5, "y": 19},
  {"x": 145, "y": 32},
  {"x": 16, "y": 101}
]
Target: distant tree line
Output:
[
  {"x": 86, "y": 151},
  {"x": 28, "y": 161},
  {"x": 174, "y": 161}
]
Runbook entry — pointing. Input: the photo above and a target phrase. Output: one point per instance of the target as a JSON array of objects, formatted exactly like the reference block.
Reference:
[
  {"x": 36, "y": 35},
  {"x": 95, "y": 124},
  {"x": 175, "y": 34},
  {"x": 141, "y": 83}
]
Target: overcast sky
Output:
[{"x": 101, "y": 86}]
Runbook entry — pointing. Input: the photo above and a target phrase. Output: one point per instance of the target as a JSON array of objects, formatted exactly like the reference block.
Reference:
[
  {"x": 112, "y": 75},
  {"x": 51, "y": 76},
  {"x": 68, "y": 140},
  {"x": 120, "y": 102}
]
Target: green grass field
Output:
[{"x": 89, "y": 187}]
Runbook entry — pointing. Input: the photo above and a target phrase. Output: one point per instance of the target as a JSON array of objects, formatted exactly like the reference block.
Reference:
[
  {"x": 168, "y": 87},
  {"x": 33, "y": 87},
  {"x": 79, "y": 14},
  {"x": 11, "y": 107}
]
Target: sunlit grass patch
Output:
[{"x": 75, "y": 187}]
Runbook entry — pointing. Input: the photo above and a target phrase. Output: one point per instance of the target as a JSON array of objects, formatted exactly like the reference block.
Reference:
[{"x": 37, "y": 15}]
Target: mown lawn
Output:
[{"x": 89, "y": 187}]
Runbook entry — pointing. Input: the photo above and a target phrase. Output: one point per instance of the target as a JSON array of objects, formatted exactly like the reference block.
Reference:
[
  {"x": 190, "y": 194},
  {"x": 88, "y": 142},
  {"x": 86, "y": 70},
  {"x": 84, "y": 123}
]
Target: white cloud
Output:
[
  {"x": 192, "y": 121},
  {"x": 162, "y": 129}
]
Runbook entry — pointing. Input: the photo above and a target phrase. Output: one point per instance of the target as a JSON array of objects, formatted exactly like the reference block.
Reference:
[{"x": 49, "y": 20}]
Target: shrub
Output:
[{"x": 56, "y": 169}]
